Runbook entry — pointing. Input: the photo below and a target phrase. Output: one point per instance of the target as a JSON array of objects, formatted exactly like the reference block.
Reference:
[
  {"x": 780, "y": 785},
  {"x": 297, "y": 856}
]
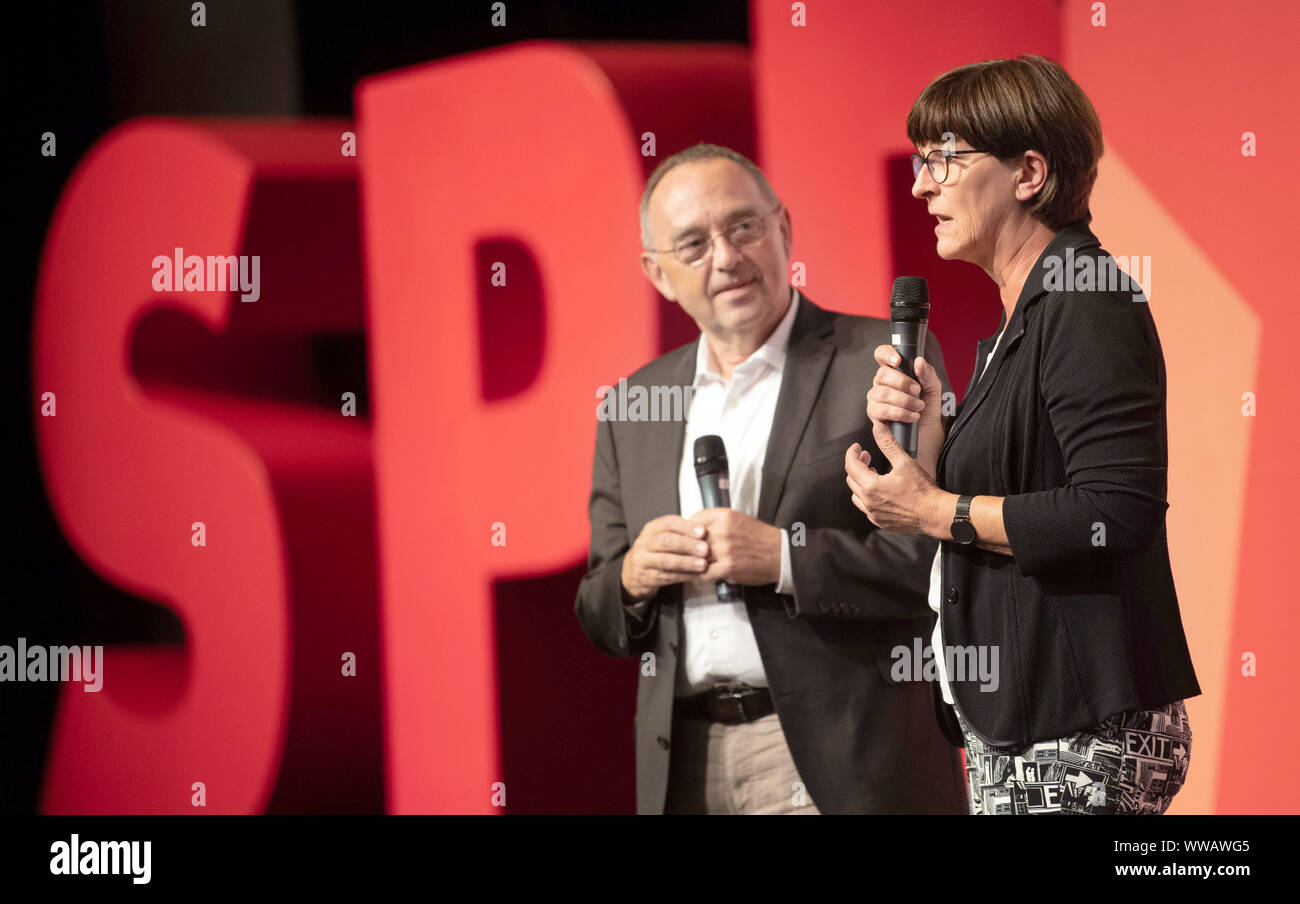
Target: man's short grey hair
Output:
[{"x": 700, "y": 151}]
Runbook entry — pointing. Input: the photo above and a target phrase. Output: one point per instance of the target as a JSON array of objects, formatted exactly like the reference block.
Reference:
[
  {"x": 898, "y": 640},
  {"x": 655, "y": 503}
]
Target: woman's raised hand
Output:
[{"x": 894, "y": 396}]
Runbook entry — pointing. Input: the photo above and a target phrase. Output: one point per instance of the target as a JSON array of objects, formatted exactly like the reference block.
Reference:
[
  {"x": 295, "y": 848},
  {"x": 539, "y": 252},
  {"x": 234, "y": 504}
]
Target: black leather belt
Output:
[{"x": 727, "y": 703}]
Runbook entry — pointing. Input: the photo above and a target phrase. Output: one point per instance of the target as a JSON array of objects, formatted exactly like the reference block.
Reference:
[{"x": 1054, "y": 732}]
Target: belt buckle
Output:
[{"x": 737, "y": 693}]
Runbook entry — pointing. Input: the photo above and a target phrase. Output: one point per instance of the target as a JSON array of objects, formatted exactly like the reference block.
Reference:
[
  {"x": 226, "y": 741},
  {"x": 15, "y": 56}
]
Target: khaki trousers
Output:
[{"x": 737, "y": 769}]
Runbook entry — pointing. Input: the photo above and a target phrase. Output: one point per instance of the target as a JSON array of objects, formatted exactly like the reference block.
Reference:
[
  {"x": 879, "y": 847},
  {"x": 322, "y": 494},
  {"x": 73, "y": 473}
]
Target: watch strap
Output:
[{"x": 962, "y": 530}]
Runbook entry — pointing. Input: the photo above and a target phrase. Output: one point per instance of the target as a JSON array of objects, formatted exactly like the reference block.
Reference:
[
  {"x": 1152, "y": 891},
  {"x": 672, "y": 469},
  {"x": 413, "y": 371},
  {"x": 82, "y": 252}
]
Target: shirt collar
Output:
[
  {"x": 772, "y": 352},
  {"x": 1074, "y": 235}
]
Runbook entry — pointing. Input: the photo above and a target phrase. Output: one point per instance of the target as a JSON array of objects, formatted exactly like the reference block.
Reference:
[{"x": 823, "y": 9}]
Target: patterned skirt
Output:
[{"x": 1132, "y": 763}]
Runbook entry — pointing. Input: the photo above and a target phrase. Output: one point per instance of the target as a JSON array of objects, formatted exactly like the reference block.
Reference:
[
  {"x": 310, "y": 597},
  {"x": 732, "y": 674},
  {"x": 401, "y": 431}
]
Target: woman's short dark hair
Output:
[{"x": 1007, "y": 107}]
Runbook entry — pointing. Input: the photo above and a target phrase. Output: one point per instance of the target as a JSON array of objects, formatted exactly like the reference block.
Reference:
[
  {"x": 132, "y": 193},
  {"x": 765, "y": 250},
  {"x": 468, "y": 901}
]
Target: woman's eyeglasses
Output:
[{"x": 937, "y": 162}]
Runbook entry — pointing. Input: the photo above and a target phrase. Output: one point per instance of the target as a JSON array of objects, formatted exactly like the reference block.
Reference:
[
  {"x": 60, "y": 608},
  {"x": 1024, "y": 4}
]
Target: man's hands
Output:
[
  {"x": 742, "y": 550},
  {"x": 717, "y": 544},
  {"x": 896, "y": 397},
  {"x": 669, "y": 550}
]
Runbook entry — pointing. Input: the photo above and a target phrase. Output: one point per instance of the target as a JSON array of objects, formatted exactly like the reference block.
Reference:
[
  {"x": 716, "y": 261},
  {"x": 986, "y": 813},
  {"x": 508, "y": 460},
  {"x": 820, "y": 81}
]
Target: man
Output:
[{"x": 783, "y": 702}]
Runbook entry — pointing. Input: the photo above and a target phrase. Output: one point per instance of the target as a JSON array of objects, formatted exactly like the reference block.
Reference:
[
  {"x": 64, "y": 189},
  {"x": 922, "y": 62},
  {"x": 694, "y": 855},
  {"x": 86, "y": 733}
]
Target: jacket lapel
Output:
[
  {"x": 807, "y": 358},
  {"x": 982, "y": 384},
  {"x": 1074, "y": 234},
  {"x": 664, "y": 458},
  {"x": 666, "y": 454}
]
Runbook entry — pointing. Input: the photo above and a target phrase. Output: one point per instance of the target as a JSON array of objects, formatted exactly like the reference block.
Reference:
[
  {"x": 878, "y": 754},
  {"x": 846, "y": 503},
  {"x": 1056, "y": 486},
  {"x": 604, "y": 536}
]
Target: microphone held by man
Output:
[{"x": 711, "y": 471}]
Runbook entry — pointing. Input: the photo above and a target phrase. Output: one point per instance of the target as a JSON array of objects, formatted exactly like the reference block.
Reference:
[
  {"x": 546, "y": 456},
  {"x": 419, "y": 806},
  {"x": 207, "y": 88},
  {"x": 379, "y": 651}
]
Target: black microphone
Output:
[
  {"x": 711, "y": 472},
  {"x": 909, "y": 314}
]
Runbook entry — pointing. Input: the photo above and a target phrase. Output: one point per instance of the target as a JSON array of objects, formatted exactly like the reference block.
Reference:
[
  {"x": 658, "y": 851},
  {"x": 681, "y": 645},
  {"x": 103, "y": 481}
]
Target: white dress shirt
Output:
[
  {"x": 936, "y": 579},
  {"x": 717, "y": 640}
]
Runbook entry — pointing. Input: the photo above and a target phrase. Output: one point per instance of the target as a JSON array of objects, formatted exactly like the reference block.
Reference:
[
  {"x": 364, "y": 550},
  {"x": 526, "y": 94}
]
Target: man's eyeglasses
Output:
[
  {"x": 937, "y": 161},
  {"x": 692, "y": 248}
]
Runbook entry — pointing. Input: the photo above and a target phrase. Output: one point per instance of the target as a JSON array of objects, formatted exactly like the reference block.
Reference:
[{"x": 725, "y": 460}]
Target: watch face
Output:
[{"x": 963, "y": 532}]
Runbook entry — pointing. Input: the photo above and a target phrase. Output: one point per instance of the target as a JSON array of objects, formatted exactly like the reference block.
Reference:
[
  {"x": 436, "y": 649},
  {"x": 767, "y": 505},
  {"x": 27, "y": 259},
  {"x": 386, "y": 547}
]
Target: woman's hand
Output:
[
  {"x": 894, "y": 396},
  {"x": 906, "y": 500}
]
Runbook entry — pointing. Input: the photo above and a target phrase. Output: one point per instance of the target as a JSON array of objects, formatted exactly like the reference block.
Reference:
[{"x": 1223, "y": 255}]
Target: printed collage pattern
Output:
[{"x": 1132, "y": 763}]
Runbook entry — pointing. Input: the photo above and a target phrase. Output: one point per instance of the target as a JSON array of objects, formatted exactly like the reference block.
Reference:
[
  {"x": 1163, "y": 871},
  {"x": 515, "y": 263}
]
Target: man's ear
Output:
[
  {"x": 655, "y": 273},
  {"x": 787, "y": 233},
  {"x": 1031, "y": 177}
]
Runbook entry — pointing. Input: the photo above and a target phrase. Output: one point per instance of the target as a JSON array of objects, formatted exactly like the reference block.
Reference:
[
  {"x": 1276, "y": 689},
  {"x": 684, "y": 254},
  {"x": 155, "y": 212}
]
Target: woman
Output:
[{"x": 1048, "y": 486}]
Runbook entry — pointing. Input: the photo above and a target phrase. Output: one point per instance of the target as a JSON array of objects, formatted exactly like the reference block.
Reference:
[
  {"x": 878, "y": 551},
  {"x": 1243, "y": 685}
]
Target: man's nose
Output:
[{"x": 725, "y": 254}]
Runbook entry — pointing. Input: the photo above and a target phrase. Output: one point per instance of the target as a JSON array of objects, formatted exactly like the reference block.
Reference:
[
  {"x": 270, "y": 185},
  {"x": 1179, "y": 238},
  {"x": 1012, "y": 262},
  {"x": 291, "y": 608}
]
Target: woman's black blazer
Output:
[{"x": 1068, "y": 423}]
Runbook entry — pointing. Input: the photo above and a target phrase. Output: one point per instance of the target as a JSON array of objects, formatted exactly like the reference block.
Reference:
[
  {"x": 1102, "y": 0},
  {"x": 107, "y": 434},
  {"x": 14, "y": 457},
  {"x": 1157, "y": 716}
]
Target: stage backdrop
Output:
[{"x": 482, "y": 227}]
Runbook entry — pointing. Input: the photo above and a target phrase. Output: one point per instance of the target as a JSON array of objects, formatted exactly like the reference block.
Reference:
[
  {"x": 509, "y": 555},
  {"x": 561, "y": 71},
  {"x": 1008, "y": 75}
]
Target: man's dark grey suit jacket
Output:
[{"x": 862, "y": 742}]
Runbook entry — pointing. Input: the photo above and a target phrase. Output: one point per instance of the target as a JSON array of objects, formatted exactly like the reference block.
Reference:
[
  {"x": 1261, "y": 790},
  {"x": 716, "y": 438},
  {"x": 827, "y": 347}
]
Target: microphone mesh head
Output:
[
  {"x": 910, "y": 300},
  {"x": 710, "y": 455}
]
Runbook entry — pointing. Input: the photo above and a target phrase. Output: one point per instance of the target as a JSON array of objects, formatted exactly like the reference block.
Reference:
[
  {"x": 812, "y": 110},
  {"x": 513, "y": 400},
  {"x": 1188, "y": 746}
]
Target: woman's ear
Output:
[{"x": 1031, "y": 176}]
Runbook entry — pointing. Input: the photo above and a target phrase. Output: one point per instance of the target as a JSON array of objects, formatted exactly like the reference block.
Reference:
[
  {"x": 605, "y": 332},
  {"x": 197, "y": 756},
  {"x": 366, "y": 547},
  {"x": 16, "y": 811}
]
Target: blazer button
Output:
[
  {"x": 663, "y": 742},
  {"x": 953, "y": 595},
  {"x": 673, "y": 647}
]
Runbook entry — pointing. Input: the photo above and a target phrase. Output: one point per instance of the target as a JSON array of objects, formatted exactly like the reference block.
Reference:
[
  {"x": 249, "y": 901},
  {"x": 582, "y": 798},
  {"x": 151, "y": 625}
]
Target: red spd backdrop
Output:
[{"x": 440, "y": 541}]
